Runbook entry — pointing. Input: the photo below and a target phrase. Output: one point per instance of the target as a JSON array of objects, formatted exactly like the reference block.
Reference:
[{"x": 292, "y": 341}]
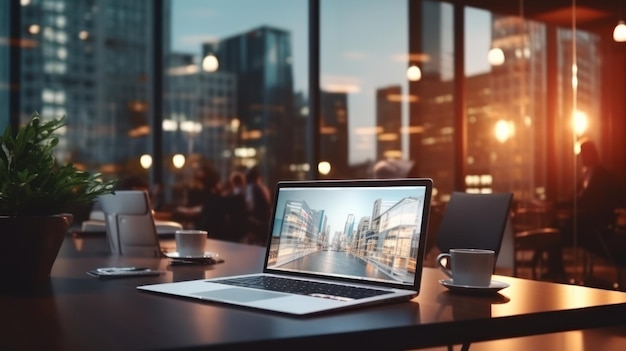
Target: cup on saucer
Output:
[
  {"x": 191, "y": 243},
  {"x": 468, "y": 267}
]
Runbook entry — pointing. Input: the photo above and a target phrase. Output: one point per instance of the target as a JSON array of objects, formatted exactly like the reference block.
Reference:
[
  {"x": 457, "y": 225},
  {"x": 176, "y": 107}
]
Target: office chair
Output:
[
  {"x": 610, "y": 246},
  {"x": 535, "y": 232},
  {"x": 475, "y": 221},
  {"x": 129, "y": 224}
]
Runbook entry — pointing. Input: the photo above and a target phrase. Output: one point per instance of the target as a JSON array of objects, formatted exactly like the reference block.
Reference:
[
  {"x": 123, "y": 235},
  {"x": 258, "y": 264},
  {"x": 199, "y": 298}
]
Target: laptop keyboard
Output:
[{"x": 303, "y": 287}]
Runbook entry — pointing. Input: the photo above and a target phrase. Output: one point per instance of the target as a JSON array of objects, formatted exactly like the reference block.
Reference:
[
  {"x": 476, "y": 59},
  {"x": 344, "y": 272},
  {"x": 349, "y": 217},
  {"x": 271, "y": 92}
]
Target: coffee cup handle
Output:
[{"x": 441, "y": 266}]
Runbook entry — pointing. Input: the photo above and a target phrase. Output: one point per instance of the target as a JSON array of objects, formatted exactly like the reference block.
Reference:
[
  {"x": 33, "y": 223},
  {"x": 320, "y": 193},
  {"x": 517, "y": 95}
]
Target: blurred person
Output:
[
  {"x": 598, "y": 196},
  {"x": 213, "y": 212},
  {"x": 236, "y": 210},
  {"x": 200, "y": 185},
  {"x": 203, "y": 194},
  {"x": 258, "y": 204}
]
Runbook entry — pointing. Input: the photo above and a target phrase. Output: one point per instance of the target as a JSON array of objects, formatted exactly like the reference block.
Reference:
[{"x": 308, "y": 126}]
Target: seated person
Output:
[{"x": 599, "y": 195}]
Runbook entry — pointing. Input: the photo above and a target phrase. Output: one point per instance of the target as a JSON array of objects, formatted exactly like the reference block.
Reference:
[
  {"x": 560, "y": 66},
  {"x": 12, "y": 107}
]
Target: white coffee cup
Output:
[
  {"x": 191, "y": 243},
  {"x": 469, "y": 267}
]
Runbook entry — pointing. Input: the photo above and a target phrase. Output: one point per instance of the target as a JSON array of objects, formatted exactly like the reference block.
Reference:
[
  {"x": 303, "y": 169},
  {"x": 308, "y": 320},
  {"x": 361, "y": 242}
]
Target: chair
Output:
[
  {"x": 611, "y": 247},
  {"x": 129, "y": 223},
  {"x": 474, "y": 221},
  {"x": 534, "y": 234},
  {"x": 96, "y": 223}
]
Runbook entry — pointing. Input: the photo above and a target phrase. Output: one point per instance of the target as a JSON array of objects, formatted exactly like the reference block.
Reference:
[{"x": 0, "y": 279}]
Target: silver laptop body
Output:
[{"x": 367, "y": 236}]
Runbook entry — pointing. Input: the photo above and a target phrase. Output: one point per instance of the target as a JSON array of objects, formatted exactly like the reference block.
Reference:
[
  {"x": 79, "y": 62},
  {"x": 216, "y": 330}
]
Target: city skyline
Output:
[
  {"x": 359, "y": 49},
  {"x": 334, "y": 202}
]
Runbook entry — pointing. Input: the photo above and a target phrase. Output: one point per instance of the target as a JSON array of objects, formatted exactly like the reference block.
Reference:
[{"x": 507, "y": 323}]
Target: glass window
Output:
[
  {"x": 364, "y": 89},
  {"x": 235, "y": 92},
  {"x": 236, "y": 85},
  {"x": 509, "y": 113},
  {"x": 107, "y": 114},
  {"x": 4, "y": 63}
]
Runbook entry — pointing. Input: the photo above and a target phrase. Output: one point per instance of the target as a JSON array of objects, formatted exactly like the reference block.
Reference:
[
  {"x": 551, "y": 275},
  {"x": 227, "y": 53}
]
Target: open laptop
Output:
[{"x": 334, "y": 244}]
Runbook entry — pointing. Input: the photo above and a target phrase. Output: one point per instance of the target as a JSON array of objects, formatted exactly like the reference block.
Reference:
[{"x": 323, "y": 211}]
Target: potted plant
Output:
[{"x": 36, "y": 195}]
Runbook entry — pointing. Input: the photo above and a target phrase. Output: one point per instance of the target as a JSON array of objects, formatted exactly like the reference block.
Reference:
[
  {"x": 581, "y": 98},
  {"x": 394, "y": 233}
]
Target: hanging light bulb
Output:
[
  {"x": 210, "y": 63},
  {"x": 495, "y": 57},
  {"x": 619, "y": 33},
  {"x": 414, "y": 73}
]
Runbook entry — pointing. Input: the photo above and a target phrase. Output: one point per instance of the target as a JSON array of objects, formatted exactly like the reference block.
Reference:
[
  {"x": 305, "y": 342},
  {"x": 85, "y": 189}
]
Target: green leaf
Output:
[{"x": 31, "y": 183}]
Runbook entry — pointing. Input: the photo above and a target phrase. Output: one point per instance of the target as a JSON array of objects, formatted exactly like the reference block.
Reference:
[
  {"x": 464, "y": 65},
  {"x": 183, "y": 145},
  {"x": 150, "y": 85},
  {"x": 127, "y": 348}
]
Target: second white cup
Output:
[
  {"x": 469, "y": 267},
  {"x": 191, "y": 243}
]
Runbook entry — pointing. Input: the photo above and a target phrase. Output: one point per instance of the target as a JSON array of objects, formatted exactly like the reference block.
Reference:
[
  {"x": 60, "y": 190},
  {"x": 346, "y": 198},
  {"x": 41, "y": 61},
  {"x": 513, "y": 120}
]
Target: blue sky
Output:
[{"x": 360, "y": 52}]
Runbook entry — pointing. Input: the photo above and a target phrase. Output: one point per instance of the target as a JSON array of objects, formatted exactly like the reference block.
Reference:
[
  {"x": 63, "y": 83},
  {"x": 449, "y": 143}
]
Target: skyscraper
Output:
[
  {"x": 389, "y": 122},
  {"x": 334, "y": 131},
  {"x": 261, "y": 59},
  {"x": 91, "y": 61}
]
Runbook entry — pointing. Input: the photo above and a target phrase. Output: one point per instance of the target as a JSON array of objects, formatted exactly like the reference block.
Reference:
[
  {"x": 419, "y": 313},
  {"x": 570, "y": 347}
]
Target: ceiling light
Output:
[
  {"x": 619, "y": 33},
  {"x": 495, "y": 57}
]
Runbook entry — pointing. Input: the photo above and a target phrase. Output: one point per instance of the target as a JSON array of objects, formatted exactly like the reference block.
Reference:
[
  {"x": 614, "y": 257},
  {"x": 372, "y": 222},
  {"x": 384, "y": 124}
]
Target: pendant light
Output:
[{"x": 619, "y": 33}]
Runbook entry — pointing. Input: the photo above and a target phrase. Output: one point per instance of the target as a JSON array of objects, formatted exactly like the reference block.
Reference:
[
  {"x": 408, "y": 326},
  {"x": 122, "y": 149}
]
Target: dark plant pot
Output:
[{"x": 29, "y": 248}]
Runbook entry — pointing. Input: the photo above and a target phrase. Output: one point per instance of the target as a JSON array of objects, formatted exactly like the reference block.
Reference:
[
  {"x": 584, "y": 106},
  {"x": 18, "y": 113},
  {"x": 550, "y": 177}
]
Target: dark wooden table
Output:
[{"x": 83, "y": 313}]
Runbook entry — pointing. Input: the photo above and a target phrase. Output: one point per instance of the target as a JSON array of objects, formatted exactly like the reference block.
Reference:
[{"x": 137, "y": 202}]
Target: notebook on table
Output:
[{"x": 333, "y": 244}]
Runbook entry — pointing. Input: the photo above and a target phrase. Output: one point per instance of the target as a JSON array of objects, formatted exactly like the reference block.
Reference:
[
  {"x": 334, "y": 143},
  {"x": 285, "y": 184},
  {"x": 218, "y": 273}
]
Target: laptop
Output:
[{"x": 333, "y": 245}]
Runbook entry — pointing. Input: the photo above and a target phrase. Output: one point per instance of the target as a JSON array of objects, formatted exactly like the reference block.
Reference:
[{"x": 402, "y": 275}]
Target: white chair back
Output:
[{"x": 129, "y": 223}]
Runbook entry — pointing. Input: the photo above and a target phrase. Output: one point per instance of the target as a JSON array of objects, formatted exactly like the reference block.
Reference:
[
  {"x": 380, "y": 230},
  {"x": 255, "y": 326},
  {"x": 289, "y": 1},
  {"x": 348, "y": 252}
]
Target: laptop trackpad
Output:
[{"x": 238, "y": 295}]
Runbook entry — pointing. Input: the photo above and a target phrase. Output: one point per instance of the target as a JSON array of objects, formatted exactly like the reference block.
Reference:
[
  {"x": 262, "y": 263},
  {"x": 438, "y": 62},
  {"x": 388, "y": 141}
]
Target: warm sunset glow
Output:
[
  {"x": 580, "y": 122},
  {"x": 504, "y": 130},
  {"x": 574, "y": 76}
]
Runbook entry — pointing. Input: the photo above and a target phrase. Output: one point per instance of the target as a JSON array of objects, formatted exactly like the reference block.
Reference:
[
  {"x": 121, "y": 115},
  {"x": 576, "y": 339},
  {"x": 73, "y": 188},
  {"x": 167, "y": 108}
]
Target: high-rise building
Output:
[
  {"x": 334, "y": 131},
  {"x": 92, "y": 62},
  {"x": 389, "y": 122},
  {"x": 200, "y": 116},
  {"x": 262, "y": 61}
]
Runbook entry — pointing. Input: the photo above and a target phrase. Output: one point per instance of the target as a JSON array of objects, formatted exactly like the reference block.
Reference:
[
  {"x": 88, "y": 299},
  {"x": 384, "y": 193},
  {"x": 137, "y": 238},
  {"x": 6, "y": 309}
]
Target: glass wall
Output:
[
  {"x": 4, "y": 63},
  {"x": 516, "y": 106},
  {"x": 90, "y": 61},
  {"x": 364, "y": 88},
  {"x": 236, "y": 92},
  {"x": 236, "y": 80}
]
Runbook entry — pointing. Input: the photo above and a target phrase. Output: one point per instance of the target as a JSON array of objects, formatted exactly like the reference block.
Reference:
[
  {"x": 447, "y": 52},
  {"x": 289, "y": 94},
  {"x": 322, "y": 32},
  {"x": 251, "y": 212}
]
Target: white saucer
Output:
[
  {"x": 206, "y": 255},
  {"x": 493, "y": 287}
]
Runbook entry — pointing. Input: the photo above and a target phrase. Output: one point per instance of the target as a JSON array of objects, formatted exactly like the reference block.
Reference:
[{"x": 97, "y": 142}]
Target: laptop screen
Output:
[{"x": 368, "y": 230}]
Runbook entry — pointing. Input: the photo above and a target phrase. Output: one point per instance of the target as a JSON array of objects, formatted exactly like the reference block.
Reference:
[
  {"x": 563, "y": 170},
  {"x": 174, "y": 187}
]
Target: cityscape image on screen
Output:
[{"x": 370, "y": 234}]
